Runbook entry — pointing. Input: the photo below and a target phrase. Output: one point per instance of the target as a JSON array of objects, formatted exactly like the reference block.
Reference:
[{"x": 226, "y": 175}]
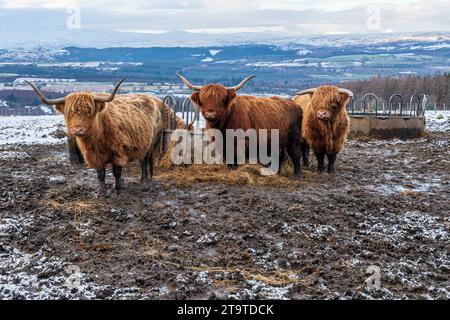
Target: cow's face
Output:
[
  {"x": 80, "y": 111},
  {"x": 328, "y": 102},
  {"x": 214, "y": 103}
]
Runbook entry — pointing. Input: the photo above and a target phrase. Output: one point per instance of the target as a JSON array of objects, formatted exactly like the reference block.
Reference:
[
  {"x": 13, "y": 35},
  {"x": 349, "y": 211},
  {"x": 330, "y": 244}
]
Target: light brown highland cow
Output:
[
  {"x": 325, "y": 123},
  {"x": 112, "y": 129}
]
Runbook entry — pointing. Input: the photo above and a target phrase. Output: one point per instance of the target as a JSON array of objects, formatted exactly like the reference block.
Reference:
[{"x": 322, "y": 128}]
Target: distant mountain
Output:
[{"x": 104, "y": 39}]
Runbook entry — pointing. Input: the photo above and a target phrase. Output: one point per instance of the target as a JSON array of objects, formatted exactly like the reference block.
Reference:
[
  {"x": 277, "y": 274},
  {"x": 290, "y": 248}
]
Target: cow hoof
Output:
[
  {"x": 119, "y": 187},
  {"x": 101, "y": 194},
  {"x": 146, "y": 184},
  {"x": 296, "y": 176}
]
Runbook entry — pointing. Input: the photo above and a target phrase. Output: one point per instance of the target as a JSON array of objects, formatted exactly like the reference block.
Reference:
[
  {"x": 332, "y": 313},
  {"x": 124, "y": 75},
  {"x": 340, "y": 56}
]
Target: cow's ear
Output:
[
  {"x": 195, "y": 98},
  {"x": 345, "y": 98},
  {"x": 231, "y": 96},
  {"x": 60, "y": 107},
  {"x": 100, "y": 106}
]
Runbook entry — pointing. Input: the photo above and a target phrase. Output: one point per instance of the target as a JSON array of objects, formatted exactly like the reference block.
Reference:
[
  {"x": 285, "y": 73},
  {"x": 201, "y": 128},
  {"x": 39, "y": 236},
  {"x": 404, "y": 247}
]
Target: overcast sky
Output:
[{"x": 290, "y": 17}]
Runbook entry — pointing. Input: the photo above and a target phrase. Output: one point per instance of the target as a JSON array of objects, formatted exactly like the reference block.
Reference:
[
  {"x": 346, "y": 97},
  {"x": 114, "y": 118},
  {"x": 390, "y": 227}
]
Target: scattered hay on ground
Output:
[{"x": 249, "y": 175}]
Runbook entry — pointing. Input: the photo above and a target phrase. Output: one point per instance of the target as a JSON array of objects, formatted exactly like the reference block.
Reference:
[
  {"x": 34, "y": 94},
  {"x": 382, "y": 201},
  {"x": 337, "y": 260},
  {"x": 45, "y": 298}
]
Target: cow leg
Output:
[
  {"x": 146, "y": 164},
  {"x": 305, "y": 153},
  {"x": 101, "y": 175},
  {"x": 282, "y": 157},
  {"x": 321, "y": 161},
  {"x": 234, "y": 165},
  {"x": 150, "y": 164},
  {"x": 293, "y": 150},
  {"x": 331, "y": 160},
  {"x": 117, "y": 171},
  {"x": 144, "y": 169}
]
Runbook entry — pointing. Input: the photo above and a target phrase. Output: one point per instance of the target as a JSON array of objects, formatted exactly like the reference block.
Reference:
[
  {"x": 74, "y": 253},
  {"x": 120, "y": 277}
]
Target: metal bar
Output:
[
  {"x": 390, "y": 103},
  {"x": 372, "y": 96}
]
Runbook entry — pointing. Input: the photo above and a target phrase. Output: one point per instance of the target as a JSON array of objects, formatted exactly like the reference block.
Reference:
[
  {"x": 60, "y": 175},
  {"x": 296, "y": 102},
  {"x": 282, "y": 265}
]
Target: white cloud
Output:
[
  {"x": 237, "y": 30},
  {"x": 230, "y": 16}
]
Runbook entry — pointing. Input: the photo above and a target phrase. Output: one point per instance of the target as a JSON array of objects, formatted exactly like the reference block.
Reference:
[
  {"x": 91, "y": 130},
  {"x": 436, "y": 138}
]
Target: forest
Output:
[{"x": 437, "y": 87}]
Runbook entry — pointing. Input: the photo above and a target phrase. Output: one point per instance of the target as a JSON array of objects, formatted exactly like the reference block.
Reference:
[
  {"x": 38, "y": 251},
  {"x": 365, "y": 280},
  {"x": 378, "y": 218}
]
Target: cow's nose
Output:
[
  {"x": 322, "y": 114},
  {"x": 210, "y": 115},
  {"x": 77, "y": 131}
]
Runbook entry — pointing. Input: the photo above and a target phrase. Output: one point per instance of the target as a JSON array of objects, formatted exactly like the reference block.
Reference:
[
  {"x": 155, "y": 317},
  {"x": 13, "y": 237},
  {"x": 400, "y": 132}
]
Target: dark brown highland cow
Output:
[{"x": 223, "y": 109}]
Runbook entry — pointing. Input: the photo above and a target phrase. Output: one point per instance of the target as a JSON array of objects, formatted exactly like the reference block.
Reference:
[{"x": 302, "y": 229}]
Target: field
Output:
[{"x": 205, "y": 233}]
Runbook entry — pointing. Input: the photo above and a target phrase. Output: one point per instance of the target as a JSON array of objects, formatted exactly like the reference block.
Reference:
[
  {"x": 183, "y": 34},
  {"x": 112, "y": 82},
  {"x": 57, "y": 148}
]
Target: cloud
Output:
[{"x": 228, "y": 16}]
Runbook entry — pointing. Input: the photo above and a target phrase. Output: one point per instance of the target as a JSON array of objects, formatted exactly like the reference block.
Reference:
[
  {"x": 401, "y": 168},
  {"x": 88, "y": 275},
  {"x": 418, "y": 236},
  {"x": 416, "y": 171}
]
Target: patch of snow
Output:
[
  {"x": 408, "y": 226},
  {"x": 47, "y": 110},
  {"x": 262, "y": 291},
  {"x": 438, "y": 121},
  {"x": 214, "y": 52},
  {"x": 8, "y": 155},
  {"x": 303, "y": 52},
  {"x": 209, "y": 238},
  {"x": 26, "y": 130}
]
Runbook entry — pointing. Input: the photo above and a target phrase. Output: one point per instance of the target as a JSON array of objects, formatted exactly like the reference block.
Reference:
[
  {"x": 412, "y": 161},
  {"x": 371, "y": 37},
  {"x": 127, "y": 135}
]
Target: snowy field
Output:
[
  {"x": 26, "y": 130},
  {"x": 438, "y": 121}
]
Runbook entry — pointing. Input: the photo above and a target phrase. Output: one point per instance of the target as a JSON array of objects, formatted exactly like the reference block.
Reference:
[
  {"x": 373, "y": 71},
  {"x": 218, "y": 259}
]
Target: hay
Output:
[{"x": 244, "y": 175}]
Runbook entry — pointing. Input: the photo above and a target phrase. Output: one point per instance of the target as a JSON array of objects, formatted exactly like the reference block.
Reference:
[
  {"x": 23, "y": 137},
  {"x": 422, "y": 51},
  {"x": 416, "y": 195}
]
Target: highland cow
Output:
[
  {"x": 223, "y": 109},
  {"x": 325, "y": 123},
  {"x": 111, "y": 129}
]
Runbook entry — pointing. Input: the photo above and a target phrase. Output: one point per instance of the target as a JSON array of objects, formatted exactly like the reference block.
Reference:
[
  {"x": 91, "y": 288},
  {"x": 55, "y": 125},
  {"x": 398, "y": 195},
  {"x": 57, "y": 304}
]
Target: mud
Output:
[{"x": 196, "y": 234}]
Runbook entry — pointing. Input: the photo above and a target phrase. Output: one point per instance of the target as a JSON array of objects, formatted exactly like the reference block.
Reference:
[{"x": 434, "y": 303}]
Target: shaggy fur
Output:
[
  {"x": 325, "y": 124},
  {"x": 117, "y": 132},
  {"x": 75, "y": 155},
  {"x": 223, "y": 109}
]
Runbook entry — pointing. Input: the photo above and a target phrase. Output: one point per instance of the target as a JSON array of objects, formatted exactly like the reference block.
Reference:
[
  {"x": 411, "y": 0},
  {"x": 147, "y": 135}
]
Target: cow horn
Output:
[
  {"x": 190, "y": 85},
  {"x": 111, "y": 96},
  {"x": 308, "y": 91},
  {"x": 341, "y": 90},
  {"x": 240, "y": 85},
  {"x": 197, "y": 112},
  {"x": 50, "y": 102}
]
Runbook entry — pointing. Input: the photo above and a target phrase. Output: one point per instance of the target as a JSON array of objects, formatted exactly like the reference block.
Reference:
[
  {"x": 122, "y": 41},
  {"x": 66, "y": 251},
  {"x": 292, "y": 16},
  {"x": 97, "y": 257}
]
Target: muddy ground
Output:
[{"x": 206, "y": 237}]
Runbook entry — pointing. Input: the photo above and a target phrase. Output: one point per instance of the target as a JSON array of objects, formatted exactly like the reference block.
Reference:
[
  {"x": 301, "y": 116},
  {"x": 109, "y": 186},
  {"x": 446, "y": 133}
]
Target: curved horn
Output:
[
  {"x": 50, "y": 102},
  {"x": 111, "y": 96},
  {"x": 190, "y": 85},
  {"x": 341, "y": 90},
  {"x": 240, "y": 85},
  {"x": 308, "y": 91},
  {"x": 196, "y": 117}
]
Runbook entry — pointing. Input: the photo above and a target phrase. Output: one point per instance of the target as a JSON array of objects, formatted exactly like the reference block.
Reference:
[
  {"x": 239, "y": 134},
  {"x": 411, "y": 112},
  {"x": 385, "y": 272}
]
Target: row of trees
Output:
[{"x": 436, "y": 87}]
